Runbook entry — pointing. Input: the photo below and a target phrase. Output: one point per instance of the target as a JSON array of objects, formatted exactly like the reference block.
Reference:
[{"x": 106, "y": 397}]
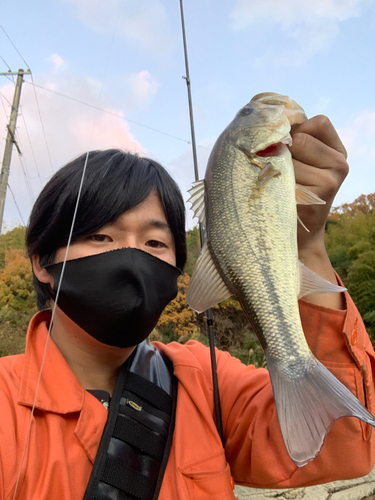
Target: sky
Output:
[{"x": 109, "y": 73}]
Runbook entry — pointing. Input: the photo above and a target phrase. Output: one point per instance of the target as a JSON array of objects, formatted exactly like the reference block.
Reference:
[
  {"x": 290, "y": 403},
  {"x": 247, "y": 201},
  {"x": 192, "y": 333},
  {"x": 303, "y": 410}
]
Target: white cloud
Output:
[
  {"x": 321, "y": 106},
  {"x": 359, "y": 140},
  {"x": 310, "y": 26},
  {"x": 142, "y": 86},
  {"x": 70, "y": 128},
  {"x": 143, "y": 22},
  {"x": 292, "y": 12},
  {"x": 56, "y": 61}
]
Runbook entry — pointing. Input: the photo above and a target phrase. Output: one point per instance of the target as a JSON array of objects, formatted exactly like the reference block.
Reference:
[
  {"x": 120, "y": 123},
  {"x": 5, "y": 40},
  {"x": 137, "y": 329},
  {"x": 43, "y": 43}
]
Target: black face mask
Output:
[{"x": 117, "y": 297}]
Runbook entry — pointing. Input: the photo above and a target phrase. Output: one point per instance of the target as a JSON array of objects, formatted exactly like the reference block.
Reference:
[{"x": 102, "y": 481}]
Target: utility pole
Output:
[{"x": 10, "y": 140}]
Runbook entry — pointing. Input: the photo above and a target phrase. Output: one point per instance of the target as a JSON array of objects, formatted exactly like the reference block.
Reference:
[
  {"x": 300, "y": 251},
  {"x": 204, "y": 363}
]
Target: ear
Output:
[{"x": 40, "y": 272}]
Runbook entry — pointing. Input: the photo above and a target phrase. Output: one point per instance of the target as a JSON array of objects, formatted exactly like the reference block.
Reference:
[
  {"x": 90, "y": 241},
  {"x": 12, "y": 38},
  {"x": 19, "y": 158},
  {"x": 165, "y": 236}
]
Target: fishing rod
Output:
[{"x": 209, "y": 315}]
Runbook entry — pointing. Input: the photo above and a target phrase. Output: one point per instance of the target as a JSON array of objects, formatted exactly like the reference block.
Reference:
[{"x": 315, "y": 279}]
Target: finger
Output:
[
  {"x": 312, "y": 151},
  {"x": 323, "y": 182},
  {"x": 322, "y": 129}
]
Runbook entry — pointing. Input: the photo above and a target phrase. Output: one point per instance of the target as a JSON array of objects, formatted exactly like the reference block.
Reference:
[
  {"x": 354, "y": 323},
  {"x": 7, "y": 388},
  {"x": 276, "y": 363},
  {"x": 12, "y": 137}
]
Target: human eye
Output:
[
  {"x": 155, "y": 244},
  {"x": 100, "y": 238}
]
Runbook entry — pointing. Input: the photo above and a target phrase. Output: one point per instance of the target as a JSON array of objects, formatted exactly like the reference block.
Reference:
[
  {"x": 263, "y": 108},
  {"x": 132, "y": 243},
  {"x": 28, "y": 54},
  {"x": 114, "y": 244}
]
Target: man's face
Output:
[{"x": 144, "y": 227}]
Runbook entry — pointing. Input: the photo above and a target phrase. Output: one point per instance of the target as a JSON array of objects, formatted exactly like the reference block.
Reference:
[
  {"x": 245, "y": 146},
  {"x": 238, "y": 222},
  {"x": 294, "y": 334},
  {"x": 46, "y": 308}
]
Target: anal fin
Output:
[
  {"x": 311, "y": 283},
  {"x": 206, "y": 287}
]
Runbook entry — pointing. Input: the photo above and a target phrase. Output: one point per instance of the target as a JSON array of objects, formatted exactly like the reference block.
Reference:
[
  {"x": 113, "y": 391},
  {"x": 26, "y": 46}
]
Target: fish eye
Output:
[{"x": 246, "y": 111}]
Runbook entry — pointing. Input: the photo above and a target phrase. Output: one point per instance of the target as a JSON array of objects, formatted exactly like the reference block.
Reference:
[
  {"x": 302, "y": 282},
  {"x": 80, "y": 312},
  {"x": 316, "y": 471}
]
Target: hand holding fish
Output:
[{"x": 319, "y": 160}]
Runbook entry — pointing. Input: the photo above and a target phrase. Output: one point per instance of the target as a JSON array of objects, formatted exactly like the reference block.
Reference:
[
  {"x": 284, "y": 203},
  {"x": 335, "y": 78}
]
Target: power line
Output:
[
  {"x": 18, "y": 52},
  {"x": 27, "y": 180},
  {"x": 17, "y": 207},
  {"x": 3, "y": 96},
  {"x": 113, "y": 114},
  {"x": 10, "y": 78},
  {"x": 31, "y": 147},
  {"x": 6, "y": 64},
  {"x": 41, "y": 122}
]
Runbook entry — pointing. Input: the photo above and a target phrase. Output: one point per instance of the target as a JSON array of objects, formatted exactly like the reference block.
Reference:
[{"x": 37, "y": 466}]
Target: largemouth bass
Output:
[{"x": 247, "y": 206}]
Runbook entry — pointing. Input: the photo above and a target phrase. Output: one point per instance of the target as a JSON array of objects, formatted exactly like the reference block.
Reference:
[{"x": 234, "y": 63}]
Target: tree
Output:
[
  {"x": 11, "y": 240},
  {"x": 16, "y": 282},
  {"x": 361, "y": 285},
  {"x": 350, "y": 242},
  {"x": 350, "y": 231},
  {"x": 365, "y": 203},
  {"x": 177, "y": 321},
  {"x": 193, "y": 249},
  {"x": 17, "y": 301}
]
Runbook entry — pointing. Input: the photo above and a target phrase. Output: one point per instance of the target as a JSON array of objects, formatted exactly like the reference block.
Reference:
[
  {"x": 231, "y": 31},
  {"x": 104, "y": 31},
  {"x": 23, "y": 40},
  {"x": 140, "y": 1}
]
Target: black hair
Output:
[{"x": 114, "y": 182}]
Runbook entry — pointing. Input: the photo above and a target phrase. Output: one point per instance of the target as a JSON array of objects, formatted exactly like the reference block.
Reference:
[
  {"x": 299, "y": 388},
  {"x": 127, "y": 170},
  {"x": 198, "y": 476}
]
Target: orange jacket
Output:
[{"x": 64, "y": 434}]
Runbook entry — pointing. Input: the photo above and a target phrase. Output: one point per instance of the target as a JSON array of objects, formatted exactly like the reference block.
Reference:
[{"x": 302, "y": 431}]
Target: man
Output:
[{"x": 127, "y": 248}]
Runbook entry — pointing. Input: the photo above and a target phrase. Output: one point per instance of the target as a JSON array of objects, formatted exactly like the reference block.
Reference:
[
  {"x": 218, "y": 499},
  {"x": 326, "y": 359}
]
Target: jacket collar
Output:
[{"x": 55, "y": 385}]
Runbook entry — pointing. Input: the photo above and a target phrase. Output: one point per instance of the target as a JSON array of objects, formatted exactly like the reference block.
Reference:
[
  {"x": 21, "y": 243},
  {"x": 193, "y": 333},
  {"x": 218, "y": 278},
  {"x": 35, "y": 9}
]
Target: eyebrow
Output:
[{"x": 159, "y": 224}]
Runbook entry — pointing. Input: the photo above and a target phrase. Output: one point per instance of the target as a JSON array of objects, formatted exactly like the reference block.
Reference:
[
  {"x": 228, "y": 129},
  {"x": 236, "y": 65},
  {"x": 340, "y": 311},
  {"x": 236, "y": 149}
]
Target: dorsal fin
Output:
[{"x": 197, "y": 200}]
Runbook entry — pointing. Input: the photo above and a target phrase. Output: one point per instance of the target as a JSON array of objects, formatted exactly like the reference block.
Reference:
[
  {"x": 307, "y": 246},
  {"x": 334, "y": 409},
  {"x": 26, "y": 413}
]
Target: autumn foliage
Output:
[
  {"x": 350, "y": 242},
  {"x": 17, "y": 297},
  {"x": 16, "y": 290},
  {"x": 177, "y": 321}
]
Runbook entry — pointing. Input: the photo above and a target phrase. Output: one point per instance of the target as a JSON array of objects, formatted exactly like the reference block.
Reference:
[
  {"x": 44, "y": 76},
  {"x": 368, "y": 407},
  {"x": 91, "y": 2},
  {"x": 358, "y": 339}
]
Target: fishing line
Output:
[{"x": 64, "y": 264}]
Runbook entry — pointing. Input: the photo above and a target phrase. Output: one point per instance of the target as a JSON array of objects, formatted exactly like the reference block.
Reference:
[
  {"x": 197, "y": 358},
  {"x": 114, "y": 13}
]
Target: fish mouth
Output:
[{"x": 273, "y": 149}]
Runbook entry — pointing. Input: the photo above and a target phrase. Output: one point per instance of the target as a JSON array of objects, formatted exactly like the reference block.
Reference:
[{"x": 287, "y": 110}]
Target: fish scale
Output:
[
  {"x": 269, "y": 283},
  {"x": 247, "y": 205}
]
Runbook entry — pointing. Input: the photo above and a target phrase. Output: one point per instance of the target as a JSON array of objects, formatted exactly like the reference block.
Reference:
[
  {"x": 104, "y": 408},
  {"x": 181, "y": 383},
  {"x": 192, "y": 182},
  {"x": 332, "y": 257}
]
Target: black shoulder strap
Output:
[{"x": 136, "y": 442}]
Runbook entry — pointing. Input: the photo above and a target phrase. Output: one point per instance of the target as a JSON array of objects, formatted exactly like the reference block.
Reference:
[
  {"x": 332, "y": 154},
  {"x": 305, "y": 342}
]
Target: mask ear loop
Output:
[{"x": 27, "y": 438}]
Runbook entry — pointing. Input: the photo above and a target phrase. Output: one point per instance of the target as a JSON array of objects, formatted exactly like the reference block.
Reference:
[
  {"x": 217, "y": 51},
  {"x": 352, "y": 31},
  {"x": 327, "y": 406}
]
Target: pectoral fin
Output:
[
  {"x": 206, "y": 287},
  {"x": 311, "y": 283},
  {"x": 306, "y": 197},
  {"x": 197, "y": 201},
  {"x": 267, "y": 173}
]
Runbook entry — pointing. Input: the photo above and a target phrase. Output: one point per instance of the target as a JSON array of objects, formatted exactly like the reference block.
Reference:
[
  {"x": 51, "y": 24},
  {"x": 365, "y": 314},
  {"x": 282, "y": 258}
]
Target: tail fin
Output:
[{"x": 308, "y": 405}]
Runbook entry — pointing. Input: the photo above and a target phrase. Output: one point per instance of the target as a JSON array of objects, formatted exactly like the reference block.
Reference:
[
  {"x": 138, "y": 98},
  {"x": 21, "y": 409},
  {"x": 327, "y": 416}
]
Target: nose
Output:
[{"x": 128, "y": 241}]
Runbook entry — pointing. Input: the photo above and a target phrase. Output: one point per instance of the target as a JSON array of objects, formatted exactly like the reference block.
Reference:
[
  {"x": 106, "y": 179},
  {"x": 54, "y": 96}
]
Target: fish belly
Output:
[{"x": 252, "y": 235}]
